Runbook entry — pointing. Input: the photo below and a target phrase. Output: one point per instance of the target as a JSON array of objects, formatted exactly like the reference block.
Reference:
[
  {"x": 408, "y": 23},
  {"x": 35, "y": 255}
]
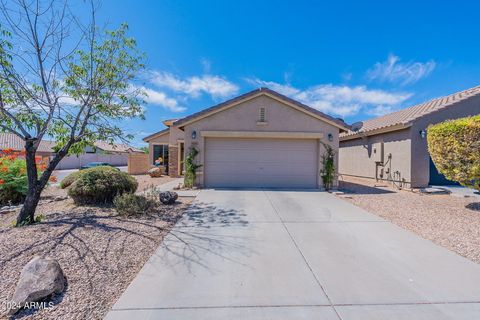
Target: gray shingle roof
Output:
[{"x": 408, "y": 115}]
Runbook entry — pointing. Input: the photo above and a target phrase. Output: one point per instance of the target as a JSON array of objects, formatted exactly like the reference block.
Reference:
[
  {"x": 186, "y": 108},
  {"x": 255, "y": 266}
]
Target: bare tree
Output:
[{"x": 64, "y": 78}]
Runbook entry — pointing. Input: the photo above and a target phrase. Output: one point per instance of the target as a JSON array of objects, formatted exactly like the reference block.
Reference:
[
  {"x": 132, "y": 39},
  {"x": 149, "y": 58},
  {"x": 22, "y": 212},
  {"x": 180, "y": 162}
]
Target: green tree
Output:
[
  {"x": 63, "y": 77},
  {"x": 454, "y": 146}
]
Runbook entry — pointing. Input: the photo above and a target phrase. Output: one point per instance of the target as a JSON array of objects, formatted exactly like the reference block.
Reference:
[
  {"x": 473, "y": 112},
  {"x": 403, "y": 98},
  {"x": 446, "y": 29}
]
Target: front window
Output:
[{"x": 160, "y": 155}]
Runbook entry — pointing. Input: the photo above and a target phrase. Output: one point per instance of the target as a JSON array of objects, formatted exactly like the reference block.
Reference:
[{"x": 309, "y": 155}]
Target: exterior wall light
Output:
[
  {"x": 330, "y": 137},
  {"x": 423, "y": 134},
  {"x": 194, "y": 135}
]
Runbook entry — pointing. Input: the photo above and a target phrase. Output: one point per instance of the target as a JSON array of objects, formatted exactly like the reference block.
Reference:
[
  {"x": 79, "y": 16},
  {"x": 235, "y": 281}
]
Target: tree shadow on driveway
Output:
[{"x": 207, "y": 230}]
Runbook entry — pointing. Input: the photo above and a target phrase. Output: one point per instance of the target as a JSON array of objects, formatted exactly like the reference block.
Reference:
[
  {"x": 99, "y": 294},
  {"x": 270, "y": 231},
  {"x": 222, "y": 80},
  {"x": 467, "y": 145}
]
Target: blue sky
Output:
[{"x": 350, "y": 59}]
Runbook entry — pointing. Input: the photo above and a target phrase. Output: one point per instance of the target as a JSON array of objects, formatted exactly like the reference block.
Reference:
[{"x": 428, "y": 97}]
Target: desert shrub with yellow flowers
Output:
[{"x": 13, "y": 176}]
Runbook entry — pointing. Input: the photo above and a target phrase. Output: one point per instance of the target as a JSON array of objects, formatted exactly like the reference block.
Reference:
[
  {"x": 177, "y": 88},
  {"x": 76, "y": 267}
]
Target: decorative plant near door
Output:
[
  {"x": 328, "y": 170},
  {"x": 191, "y": 168}
]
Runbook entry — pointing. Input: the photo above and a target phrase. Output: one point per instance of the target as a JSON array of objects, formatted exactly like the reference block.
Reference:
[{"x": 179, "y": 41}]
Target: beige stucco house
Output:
[
  {"x": 258, "y": 139},
  {"x": 394, "y": 147}
]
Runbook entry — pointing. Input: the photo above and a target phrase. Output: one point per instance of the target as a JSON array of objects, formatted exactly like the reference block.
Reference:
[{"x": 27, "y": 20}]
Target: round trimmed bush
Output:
[
  {"x": 101, "y": 185},
  {"x": 72, "y": 177},
  {"x": 68, "y": 180}
]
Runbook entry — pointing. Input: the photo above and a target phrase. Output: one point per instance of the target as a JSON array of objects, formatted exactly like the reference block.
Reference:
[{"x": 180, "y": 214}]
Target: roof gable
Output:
[{"x": 257, "y": 93}]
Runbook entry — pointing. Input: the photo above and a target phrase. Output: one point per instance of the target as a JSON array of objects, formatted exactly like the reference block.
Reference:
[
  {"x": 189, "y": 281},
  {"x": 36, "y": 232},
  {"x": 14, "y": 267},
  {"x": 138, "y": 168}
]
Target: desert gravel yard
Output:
[
  {"x": 449, "y": 221},
  {"x": 99, "y": 252}
]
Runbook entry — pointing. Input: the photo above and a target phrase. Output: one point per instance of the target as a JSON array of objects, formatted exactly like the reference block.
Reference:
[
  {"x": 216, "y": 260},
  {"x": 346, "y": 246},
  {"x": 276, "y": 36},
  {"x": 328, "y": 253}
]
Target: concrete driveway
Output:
[{"x": 297, "y": 255}]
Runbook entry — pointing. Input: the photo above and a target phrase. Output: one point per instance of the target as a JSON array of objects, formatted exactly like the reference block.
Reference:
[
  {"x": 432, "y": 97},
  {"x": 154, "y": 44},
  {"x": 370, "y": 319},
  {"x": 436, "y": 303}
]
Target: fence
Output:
[
  {"x": 138, "y": 163},
  {"x": 75, "y": 162}
]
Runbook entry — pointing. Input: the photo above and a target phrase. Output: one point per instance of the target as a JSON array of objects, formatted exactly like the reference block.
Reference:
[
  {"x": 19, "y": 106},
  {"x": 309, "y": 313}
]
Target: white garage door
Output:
[{"x": 270, "y": 163}]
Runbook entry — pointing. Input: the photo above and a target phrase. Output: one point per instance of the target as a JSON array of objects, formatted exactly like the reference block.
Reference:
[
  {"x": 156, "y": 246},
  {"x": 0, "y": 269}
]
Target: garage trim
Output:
[
  {"x": 262, "y": 134},
  {"x": 303, "y": 136}
]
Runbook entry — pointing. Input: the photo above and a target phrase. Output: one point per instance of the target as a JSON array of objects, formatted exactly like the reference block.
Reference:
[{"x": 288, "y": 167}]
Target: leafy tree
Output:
[
  {"x": 145, "y": 150},
  {"x": 63, "y": 77},
  {"x": 454, "y": 146}
]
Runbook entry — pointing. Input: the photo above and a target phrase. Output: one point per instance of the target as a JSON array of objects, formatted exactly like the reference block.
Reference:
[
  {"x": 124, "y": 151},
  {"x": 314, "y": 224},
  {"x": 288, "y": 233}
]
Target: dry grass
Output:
[
  {"x": 99, "y": 252},
  {"x": 448, "y": 221}
]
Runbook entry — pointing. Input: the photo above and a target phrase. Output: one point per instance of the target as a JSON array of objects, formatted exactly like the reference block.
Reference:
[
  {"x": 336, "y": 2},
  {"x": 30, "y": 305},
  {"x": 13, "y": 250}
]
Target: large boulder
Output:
[
  {"x": 168, "y": 197},
  {"x": 155, "y": 172},
  {"x": 40, "y": 278}
]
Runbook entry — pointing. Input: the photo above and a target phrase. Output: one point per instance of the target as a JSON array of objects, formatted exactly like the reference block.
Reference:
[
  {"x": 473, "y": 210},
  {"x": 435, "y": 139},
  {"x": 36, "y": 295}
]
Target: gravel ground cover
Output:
[
  {"x": 449, "y": 221},
  {"x": 99, "y": 252},
  {"x": 146, "y": 182}
]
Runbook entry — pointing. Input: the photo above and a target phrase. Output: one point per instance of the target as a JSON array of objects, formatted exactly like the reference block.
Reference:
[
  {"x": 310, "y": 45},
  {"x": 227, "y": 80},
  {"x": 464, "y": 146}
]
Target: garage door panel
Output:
[{"x": 280, "y": 163}]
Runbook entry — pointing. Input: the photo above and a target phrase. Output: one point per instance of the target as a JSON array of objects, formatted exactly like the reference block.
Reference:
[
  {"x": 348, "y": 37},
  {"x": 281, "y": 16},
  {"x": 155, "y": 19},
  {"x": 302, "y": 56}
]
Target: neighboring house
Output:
[
  {"x": 258, "y": 139},
  {"x": 394, "y": 146},
  {"x": 14, "y": 142},
  {"x": 116, "y": 154}
]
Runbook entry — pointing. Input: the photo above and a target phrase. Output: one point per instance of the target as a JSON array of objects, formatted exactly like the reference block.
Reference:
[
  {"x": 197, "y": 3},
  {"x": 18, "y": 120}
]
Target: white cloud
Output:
[
  {"x": 381, "y": 110},
  {"x": 213, "y": 85},
  {"x": 161, "y": 99},
  {"x": 339, "y": 100},
  {"x": 206, "y": 64},
  {"x": 392, "y": 70}
]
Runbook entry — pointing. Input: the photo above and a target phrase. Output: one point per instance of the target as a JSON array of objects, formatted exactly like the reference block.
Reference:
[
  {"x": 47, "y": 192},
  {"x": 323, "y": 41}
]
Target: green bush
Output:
[
  {"x": 454, "y": 146},
  {"x": 328, "y": 171},
  {"x": 101, "y": 185},
  {"x": 191, "y": 168},
  {"x": 68, "y": 180},
  {"x": 129, "y": 204},
  {"x": 13, "y": 180},
  {"x": 72, "y": 177}
]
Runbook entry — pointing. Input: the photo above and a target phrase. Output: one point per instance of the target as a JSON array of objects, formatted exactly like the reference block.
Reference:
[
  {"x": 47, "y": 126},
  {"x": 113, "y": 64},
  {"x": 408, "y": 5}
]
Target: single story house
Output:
[
  {"x": 259, "y": 139},
  {"x": 394, "y": 147},
  {"x": 115, "y": 154},
  {"x": 14, "y": 142}
]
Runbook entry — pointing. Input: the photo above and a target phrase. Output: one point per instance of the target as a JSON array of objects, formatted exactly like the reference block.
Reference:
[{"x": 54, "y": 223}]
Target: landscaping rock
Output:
[
  {"x": 40, "y": 278},
  {"x": 155, "y": 172},
  {"x": 168, "y": 197}
]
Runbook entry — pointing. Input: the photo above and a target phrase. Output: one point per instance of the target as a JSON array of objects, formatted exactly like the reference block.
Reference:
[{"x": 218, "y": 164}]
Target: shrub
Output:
[
  {"x": 13, "y": 176},
  {"x": 72, "y": 177},
  {"x": 454, "y": 146},
  {"x": 101, "y": 185},
  {"x": 129, "y": 204},
  {"x": 328, "y": 171},
  {"x": 13, "y": 180},
  {"x": 191, "y": 168}
]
